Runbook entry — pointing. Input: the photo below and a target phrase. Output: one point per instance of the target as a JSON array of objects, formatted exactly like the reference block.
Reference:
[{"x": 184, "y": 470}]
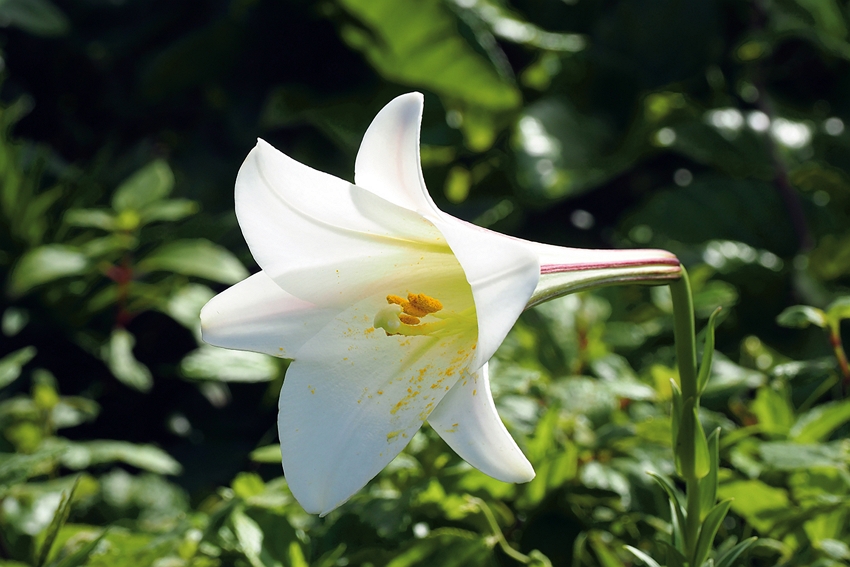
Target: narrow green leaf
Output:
[
  {"x": 707, "y": 352},
  {"x": 727, "y": 558},
  {"x": 38, "y": 17},
  {"x": 647, "y": 560},
  {"x": 213, "y": 363},
  {"x": 802, "y": 316},
  {"x": 709, "y": 528},
  {"x": 59, "y": 519},
  {"x": 149, "y": 184},
  {"x": 199, "y": 258},
  {"x": 12, "y": 364},
  {"x": 702, "y": 457},
  {"x": 118, "y": 355},
  {"x": 81, "y": 555},
  {"x": 839, "y": 309},
  {"x": 708, "y": 484},
  {"x": 676, "y": 416},
  {"x": 677, "y": 511},
  {"x": 46, "y": 264},
  {"x": 675, "y": 558}
]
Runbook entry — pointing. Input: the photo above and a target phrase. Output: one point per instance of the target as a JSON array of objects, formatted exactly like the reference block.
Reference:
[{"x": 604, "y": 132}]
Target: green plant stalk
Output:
[
  {"x": 838, "y": 349},
  {"x": 686, "y": 354}
]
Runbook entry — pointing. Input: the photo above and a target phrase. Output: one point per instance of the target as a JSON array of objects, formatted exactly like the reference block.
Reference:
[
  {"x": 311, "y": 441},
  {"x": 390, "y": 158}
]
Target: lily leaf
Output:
[{"x": 12, "y": 363}]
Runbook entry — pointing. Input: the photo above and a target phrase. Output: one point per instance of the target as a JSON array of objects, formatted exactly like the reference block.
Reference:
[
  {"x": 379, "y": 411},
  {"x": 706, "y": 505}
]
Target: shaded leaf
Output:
[
  {"x": 38, "y": 17},
  {"x": 148, "y": 185},
  {"x": 118, "y": 355},
  {"x": 12, "y": 364},
  {"x": 820, "y": 422},
  {"x": 213, "y": 363},
  {"x": 801, "y": 316},
  {"x": 46, "y": 264},
  {"x": 84, "y": 454}
]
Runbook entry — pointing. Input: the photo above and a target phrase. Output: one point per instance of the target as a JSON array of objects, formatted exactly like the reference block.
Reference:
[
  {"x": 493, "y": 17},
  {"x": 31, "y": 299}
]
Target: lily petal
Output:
[
  {"x": 353, "y": 399},
  {"x": 257, "y": 315},
  {"x": 501, "y": 271},
  {"x": 467, "y": 420},
  {"x": 320, "y": 238},
  {"x": 503, "y": 275},
  {"x": 388, "y": 163}
]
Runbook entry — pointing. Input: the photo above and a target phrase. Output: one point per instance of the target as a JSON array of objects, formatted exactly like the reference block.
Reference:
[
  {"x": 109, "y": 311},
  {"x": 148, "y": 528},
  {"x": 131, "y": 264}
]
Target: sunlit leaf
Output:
[
  {"x": 199, "y": 258},
  {"x": 801, "y": 316},
  {"x": 820, "y": 422},
  {"x": 213, "y": 363},
  {"x": 83, "y": 454}
]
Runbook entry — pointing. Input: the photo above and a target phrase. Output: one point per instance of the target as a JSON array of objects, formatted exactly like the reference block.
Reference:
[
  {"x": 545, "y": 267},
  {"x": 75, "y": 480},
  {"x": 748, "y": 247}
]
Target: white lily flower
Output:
[{"x": 389, "y": 307}]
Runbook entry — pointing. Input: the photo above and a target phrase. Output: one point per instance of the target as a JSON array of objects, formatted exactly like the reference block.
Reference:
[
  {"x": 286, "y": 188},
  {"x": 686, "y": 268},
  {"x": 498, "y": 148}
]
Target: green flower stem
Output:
[
  {"x": 685, "y": 335},
  {"x": 686, "y": 354}
]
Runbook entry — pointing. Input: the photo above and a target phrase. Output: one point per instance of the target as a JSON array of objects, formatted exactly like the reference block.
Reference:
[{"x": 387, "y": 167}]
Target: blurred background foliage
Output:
[{"x": 713, "y": 128}]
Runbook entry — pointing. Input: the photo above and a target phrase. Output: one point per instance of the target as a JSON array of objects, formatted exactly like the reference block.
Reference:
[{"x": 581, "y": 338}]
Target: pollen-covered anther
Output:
[
  {"x": 408, "y": 319},
  {"x": 424, "y": 302}
]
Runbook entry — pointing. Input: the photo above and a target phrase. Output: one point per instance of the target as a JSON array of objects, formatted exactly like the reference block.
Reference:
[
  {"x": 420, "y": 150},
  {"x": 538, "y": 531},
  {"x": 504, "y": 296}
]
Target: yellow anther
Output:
[
  {"x": 397, "y": 300},
  {"x": 424, "y": 303},
  {"x": 408, "y": 319}
]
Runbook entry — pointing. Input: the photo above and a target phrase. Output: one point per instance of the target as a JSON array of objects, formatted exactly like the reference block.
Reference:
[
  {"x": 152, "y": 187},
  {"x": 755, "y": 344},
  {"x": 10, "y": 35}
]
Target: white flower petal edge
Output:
[
  {"x": 257, "y": 315},
  {"x": 467, "y": 420}
]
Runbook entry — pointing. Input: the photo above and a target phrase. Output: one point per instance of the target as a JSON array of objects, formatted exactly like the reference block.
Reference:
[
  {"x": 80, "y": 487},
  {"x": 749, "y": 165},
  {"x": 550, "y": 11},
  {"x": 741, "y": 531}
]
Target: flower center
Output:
[{"x": 405, "y": 316}]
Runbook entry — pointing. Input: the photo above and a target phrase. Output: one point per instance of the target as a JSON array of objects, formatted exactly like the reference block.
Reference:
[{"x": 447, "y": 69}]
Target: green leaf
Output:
[
  {"x": 199, "y": 258},
  {"x": 59, "y": 519},
  {"x": 83, "y": 454},
  {"x": 91, "y": 218},
  {"x": 213, "y": 363},
  {"x": 838, "y": 310},
  {"x": 820, "y": 422},
  {"x": 12, "y": 364},
  {"x": 728, "y": 557},
  {"x": 691, "y": 448},
  {"x": 773, "y": 410},
  {"x": 148, "y": 185},
  {"x": 647, "y": 560},
  {"x": 267, "y": 454},
  {"x": 708, "y": 484},
  {"x": 118, "y": 355},
  {"x": 38, "y": 17},
  {"x": 168, "y": 211},
  {"x": 46, "y": 264},
  {"x": 709, "y": 528},
  {"x": 760, "y": 504},
  {"x": 707, "y": 352},
  {"x": 801, "y": 316},
  {"x": 81, "y": 555},
  {"x": 784, "y": 455},
  {"x": 446, "y": 547},
  {"x": 677, "y": 511}
]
